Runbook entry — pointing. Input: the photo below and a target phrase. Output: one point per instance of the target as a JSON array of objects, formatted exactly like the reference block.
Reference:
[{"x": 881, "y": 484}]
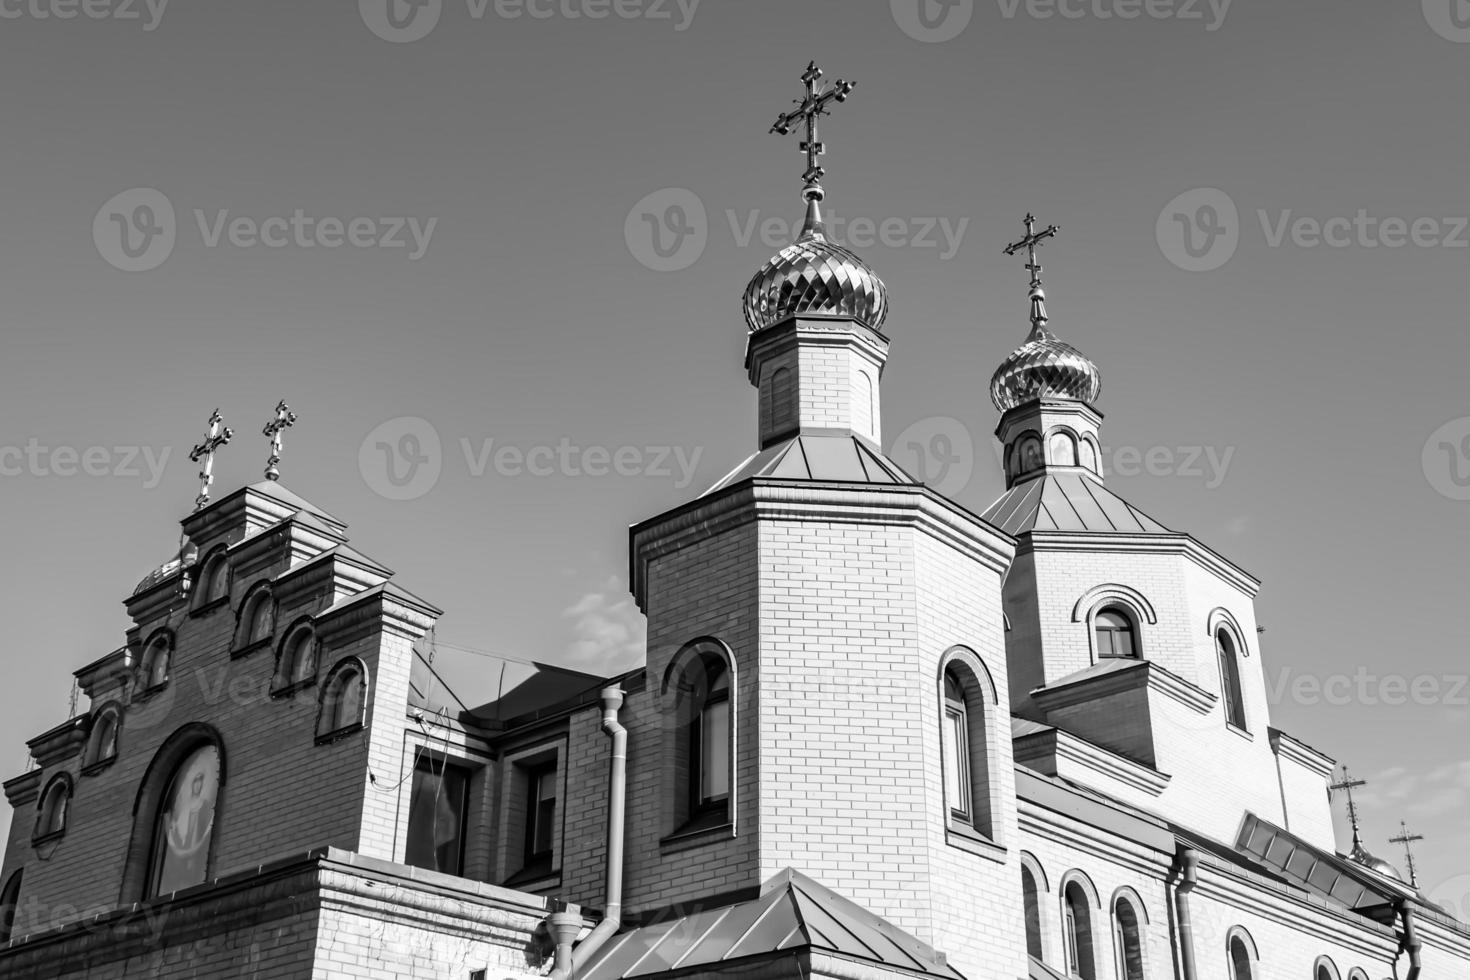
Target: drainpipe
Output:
[
  {"x": 565, "y": 925},
  {"x": 1186, "y": 864},
  {"x": 1411, "y": 944}
]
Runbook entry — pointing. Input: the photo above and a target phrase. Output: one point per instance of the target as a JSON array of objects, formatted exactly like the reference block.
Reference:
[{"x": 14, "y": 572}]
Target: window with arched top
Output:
[
  {"x": 1128, "y": 939},
  {"x": 52, "y": 810},
  {"x": 1357, "y": 973},
  {"x": 1063, "y": 448},
  {"x": 700, "y": 695},
  {"x": 1077, "y": 944},
  {"x": 153, "y": 668},
  {"x": 1087, "y": 454},
  {"x": 344, "y": 700},
  {"x": 1029, "y": 456},
  {"x": 1115, "y": 633},
  {"x": 212, "y": 586},
  {"x": 183, "y": 827},
  {"x": 1230, "y": 693},
  {"x": 257, "y": 621},
  {"x": 102, "y": 739},
  {"x": 296, "y": 662},
  {"x": 9, "y": 907},
  {"x": 1325, "y": 969},
  {"x": 1240, "y": 950},
  {"x": 966, "y": 715},
  {"x": 1031, "y": 905}
]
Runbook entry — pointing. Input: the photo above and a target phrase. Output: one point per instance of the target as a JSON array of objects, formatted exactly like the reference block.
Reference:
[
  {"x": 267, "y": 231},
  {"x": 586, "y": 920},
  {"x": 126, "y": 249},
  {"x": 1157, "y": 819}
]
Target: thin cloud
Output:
[{"x": 609, "y": 632}]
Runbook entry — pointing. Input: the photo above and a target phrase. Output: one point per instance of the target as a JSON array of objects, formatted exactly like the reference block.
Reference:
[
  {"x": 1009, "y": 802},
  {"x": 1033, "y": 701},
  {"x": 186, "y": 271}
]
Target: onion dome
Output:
[
  {"x": 1361, "y": 855},
  {"x": 815, "y": 277},
  {"x": 1044, "y": 367},
  {"x": 168, "y": 569}
]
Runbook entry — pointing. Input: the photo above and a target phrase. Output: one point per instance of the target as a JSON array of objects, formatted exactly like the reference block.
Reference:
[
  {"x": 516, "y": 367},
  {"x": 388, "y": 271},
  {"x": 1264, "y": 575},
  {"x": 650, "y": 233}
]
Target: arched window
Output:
[
  {"x": 183, "y": 828},
  {"x": 1127, "y": 940},
  {"x": 158, "y": 654},
  {"x": 213, "y": 584},
  {"x": 1031, "y": 902},
  {"x": 296, "y": 664},
  {"x": 1063, "y": 449},
  {"x": 1357, "y": 973},
  {"x": 9, "y": 907},
  {"x": 102, "y": 740},
  {"x": 1230, "y": 695},
  {"x": 52, "y": 810},
  {"x": 1325, "y": 969},
  {"x": 964, "y": 745},
  {"x": 1077, "y": 932},
  {"x": 1115, "y": 635},
  {"x": 699, "y": 691},
  {"x": 1087, "y": 454},
  {"x": 257, "y": 619},
  {"x": 344, "y": 700},
  {"x": 1028, "y": 454},
  {"x": 1242, "y": 955}
]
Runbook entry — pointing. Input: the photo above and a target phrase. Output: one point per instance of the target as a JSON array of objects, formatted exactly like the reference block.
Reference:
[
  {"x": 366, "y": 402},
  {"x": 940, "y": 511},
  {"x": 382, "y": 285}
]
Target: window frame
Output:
[
  {"x": 159, "y": 643},
  {"x": 10, "y": 905},
  {"x": 213, "y": 564},
  {"x": 92, "y": 761},
  {"x": 153, "y": 870},
  {"x": 244, "y": 641},
  {"x": 285, "y": 681},
  {"x": 1126, "y": 898},
  {"x": 978, "y": 829},
  {"x": 348, "y": 670},
  {"x": 536, "y": 776},
  {"x": 704, "y": 808},
  {"x": 681, "y": 699},
  {"x": 429, "y": 763},
  {"x": 1129, "y": 629},
  {"x": 1232, "y": 691},
  {"x": 51, "y": 824}
]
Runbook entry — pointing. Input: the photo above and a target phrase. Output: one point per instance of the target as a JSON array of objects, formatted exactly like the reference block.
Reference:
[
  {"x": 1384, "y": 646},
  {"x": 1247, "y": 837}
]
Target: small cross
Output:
[
  {"x": 1034, "y": 239},
  {"x": 1349, "y": 784},
  {"x": 285, "y": 418},
  {"x": 1408, "y": 839},
  {"x": 219, "y": 434},
  {"x": 807, "y": 110}
]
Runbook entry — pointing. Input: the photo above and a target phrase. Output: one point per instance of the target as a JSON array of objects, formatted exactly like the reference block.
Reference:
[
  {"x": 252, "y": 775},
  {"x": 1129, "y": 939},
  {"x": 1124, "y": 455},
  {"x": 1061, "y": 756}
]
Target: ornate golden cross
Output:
[
  {"x": 285, "y": 418},
  {"x": 1034, "y": 239},
  {"x": 1407, "y": 839},
  {"x": 806, "y": 112},
  {"x": 219, "y": 434}
]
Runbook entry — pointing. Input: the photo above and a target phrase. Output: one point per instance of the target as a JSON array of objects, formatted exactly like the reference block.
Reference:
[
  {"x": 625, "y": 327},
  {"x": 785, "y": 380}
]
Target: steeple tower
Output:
[{"x": 1045, "y": 390}]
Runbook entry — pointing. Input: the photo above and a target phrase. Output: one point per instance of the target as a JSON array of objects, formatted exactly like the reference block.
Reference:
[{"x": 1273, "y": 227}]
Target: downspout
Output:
[
  {"x": 565, "y": 925},
  {"x": 1411, "y": 944},
  {"x": 1186, "y": 864}
]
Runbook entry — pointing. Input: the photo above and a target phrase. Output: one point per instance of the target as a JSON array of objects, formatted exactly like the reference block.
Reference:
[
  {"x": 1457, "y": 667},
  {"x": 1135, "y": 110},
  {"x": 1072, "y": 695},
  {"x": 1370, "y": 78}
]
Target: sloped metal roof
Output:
[
  {"x": 1067, "y": 502},
  {"x": 821, "y": 458},
  {"x": 792, "y": 912},
  {"x": 1329, "y": 876}
]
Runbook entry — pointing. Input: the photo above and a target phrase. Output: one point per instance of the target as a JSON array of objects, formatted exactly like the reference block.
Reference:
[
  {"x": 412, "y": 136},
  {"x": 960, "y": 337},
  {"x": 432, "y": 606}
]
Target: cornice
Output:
[
  {"x": 1294, "y": 750},
  {"x": 810, "y": 331},
  {"x": 1065, "y": 746},
  {"x": 1115, "y": 542},
  {"x": 1146, "y": 675},
  {"x": 22, "y": 789},
  {"x": 61, "y": 742}
]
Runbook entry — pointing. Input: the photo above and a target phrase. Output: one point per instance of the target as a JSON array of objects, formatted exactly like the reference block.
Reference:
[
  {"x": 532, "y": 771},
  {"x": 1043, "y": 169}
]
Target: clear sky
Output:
[{"x": 1294, "y": 385}]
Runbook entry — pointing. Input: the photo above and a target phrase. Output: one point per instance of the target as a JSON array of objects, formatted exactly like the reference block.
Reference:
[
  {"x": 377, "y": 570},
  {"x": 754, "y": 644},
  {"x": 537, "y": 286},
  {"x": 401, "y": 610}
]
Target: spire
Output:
[{"x": 1031, "y": 243}]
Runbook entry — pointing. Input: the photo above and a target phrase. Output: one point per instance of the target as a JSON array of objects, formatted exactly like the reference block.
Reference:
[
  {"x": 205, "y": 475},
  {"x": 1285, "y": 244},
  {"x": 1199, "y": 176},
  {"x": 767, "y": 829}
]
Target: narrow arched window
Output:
[
  {"x": 1240, "y": 960},
  {"x": 1127, "y": 941},
  {"x": 343, "y": 700},
  {"x": 1230, "y": 695},
  {"x": 1077, "y": 932},
  {"x": 184, "y": 827},
  {"x": 1029, "y": 456},
  {"x": 102, "y": 740},
  {"x": 257, "y": 620},
  {"x": 1031, "y": 900},
  {"x": 52, "y": 812},
  {"x": 957, "y": 787},
  {"x": 155, "y": 664},
  {"x": 1114, "y": 631},
  {"x": 213, "y": 583},
  {"x": 709, "y": 749},
  {"x": 1325, "y": 970},
  {"x": 296, "y": 666},
  {"x": 9, "y": 907},
  {"x": 1063, "y": 449}
]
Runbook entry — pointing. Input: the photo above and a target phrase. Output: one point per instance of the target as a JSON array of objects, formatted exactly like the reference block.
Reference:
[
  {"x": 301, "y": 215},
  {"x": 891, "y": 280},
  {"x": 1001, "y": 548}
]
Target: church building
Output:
[{"x": 876, "y": 736}]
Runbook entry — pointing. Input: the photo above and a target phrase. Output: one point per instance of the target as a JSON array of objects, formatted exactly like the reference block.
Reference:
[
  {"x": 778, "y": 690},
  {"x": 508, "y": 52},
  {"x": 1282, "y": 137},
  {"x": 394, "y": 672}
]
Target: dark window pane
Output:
[
  {"x": 436, "y": 817},
  {"x": 186, "y": 824},
  {"x": 714, "y": 764}
]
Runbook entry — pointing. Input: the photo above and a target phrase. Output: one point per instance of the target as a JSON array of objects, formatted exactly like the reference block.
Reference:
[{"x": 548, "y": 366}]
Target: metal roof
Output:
[
  {"x": 1067, "y": 502},
  {"x": 821, "y": 458},
  {"x": 792, "y": 913}
]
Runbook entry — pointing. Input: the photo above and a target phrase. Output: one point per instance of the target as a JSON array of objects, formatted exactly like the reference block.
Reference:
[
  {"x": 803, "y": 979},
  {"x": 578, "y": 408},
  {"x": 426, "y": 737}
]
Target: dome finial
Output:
[
  {"x": 1347, "y": 785},
  {"x": 1033, "y": 240},
  {"x": 806, "y": 112}
]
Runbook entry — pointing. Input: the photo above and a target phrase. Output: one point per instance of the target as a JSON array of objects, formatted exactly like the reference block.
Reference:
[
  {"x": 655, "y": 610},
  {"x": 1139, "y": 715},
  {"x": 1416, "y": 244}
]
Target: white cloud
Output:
[{"x": 609, "y": 632}]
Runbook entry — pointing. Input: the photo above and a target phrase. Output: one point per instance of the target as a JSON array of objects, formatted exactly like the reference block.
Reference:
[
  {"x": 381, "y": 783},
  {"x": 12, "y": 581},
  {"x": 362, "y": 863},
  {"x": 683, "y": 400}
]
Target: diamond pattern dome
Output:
[
  {"x": 813, "y": 276},
  {"x": 1044, "y": 367}
]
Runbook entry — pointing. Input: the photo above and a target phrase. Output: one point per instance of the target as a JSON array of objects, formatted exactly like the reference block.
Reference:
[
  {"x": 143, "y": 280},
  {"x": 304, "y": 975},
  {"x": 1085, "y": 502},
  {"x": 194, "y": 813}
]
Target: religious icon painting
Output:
[{"x": 186, "y": 824}]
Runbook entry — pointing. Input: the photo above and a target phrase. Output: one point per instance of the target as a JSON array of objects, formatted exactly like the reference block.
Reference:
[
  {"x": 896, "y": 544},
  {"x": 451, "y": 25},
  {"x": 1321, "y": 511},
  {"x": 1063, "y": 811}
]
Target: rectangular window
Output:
[
  {"x": 714, "y": 762},
  {"x": 437, "y": 812},
  {"x": 540, "y": 815},
  {"x": 957, "y": 761}
]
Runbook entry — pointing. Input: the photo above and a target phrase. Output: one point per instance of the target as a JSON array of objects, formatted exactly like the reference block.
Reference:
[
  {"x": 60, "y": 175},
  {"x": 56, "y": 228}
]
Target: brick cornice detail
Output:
[
  {"x": 1115, "y": 542},
  {"x": 1062, "y": 745},
  {"x": 1146, "y": 674}
]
